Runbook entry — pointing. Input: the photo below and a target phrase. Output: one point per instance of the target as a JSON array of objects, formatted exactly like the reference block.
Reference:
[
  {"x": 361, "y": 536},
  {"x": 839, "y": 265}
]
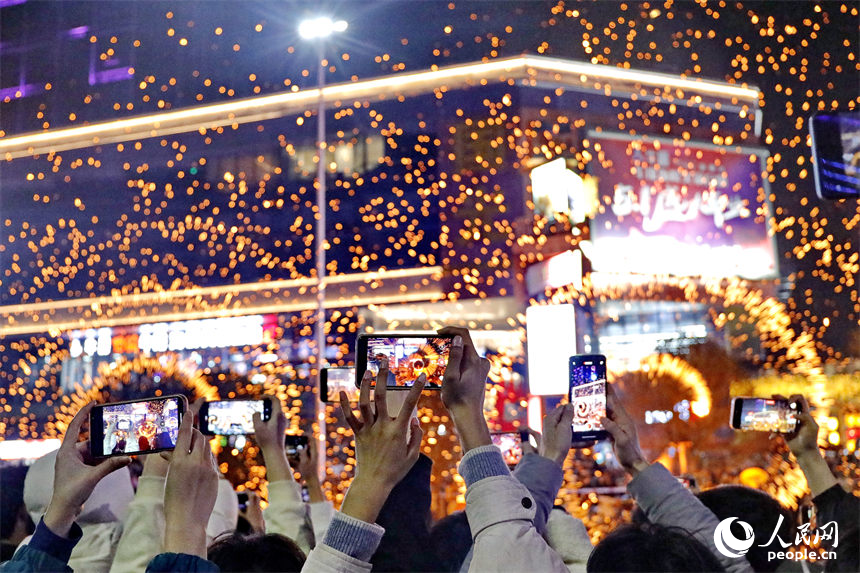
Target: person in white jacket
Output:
[
  {"x": 143, "y": 529},
  {"x": 101, "y": 519},
  {"x": 287, "y": 514}
]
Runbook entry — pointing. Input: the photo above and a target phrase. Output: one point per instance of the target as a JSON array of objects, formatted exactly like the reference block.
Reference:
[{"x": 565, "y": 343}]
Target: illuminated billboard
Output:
[
  {"x": 679, "y": 208},
  {"x": 551, "y": 337}
]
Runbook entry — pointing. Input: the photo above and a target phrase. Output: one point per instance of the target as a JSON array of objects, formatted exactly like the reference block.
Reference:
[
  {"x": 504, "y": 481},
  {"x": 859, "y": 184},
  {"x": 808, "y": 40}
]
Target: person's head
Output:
[
  {"x": 758, "y": 509},
  {"x": 451, "y": 540},
  {"x": 648, "y": 547},
  {"x": 15, "y": 523},
  {"x": 257, "y": 553}
]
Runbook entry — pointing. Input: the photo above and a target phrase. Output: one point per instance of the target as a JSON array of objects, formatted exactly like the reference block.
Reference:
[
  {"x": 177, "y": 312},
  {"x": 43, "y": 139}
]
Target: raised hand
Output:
[
  {"x": 463, "y": 388},
  {"x": 270, "y": 437},
  {"x": 75, "y": 476},
  {"x": 190, "y": 491},
  {"x": 625, "y": 440},
  {"x": 253, "y": 513},
  {"x": 382, "y": 451},
  {"x": 307, "y": 468},
  {"x": 803, "y": 442},
  {"x": 555, "y": 442}
]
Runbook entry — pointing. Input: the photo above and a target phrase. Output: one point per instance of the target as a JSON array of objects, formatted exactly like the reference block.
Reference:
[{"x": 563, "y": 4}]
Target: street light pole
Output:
[
  {"x": 319, "y": 413},
  {"x": 319, "y": 29}
]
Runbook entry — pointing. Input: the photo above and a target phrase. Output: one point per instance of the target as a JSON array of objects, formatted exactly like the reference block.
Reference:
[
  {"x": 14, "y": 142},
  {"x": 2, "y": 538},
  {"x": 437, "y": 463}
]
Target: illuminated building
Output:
[{"x": 196, "y": 201}]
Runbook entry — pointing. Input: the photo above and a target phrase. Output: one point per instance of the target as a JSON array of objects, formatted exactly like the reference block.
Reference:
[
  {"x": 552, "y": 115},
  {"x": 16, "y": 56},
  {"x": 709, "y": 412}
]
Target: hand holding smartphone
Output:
[
  {"x": 764, "y": 415},
  {"x": 408, "y": 356},
  {"x": 136, "y": 426},
  {"x": 233, "y": 417},
  {"x": 295, "y": 444},
  {"x": 587, "y": 395}
]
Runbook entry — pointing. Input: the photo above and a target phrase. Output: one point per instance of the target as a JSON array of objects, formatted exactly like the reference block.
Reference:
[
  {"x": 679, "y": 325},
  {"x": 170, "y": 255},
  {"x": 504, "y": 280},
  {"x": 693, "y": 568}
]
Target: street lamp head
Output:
[{"x": 321, "y": 27}]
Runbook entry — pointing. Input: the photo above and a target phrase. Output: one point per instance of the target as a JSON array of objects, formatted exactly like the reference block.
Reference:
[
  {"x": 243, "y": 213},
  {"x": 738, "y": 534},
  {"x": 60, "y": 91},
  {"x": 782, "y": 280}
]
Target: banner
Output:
[{"x": 681, "y": 209}]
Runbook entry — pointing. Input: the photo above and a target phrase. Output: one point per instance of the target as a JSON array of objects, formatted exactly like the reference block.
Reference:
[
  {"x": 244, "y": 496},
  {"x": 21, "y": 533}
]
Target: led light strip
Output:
[
  {"x": 311, "y": 304},
  {"x": 412, "y": 83},
  {"x": 213, "y": 291}
]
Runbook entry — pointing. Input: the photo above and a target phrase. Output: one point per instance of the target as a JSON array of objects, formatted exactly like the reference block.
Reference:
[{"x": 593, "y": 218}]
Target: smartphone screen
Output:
[
  {"x": 232, "y": 417},
  {"x": 587, "y": 394},
  {"x": 408, "y": 357},
  {"x": 295, "y": 444},
  {"x": 763, "y": 415},
  {"x": 136, "y": 427},
  {"x": 336, "y": 379},
  {"x": 511, "y": 444}
]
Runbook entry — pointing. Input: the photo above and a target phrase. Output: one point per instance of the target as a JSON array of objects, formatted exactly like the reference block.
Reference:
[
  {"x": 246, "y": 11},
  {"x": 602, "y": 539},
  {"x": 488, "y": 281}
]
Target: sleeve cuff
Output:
[
  {"x": 356, "y": 538},
  {"x": 47, "y": 541},
  {"x": 481, "y": 463}
]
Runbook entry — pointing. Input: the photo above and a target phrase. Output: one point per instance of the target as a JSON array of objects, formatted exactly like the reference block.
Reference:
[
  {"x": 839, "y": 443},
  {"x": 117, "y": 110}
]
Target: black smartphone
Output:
[
  {"x": 333, "y": 380},
  {"x": 408, "y": 355},
  {"x": 233, "y": 417},
  {"x": 511, "y": 444},
  {"x": 295, "y": 444},
  {"x": 242, "y": 496},
  {"x": 136, "y": 426},
  {"x": 587, "y": 394},
  {"x": 836, "y": 154},
  {"x": 764, "y": 415}
]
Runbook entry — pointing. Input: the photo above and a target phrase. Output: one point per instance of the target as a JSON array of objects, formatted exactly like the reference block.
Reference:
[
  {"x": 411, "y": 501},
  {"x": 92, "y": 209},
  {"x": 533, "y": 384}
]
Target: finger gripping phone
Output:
[
  {"x": 136, "y": 426},
  {"x": 408, "y": 356},
  {"x": 587, "y": 395},
  {"x": 233, "y": 417},
  {"x": 333, "y": 380},
  {"x": 295, "y": 444},
  {"x": 763, "y": 415},
  {"x": 511, "y": 444}
]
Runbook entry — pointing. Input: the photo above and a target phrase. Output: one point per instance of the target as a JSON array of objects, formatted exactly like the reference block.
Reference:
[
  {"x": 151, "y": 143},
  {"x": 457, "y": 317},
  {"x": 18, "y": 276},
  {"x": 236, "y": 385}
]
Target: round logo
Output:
[{"x": 727, "y": 543}]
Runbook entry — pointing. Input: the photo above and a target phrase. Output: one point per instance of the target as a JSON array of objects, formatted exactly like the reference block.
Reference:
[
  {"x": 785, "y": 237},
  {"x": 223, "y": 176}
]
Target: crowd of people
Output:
[{"x": 184, "y": 517}]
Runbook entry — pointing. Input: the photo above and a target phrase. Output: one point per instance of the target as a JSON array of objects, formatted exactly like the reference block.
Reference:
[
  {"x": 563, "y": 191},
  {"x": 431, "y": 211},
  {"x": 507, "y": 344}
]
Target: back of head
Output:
[
  {"x": 450, "y": 541},
  {"x": 758, "y": 509},
  {"x": 11, "y": 498},
  {"x": 257, "y": 553},
  {"x": 649, "y": 547},
  {"x": 107, "y": 504}
]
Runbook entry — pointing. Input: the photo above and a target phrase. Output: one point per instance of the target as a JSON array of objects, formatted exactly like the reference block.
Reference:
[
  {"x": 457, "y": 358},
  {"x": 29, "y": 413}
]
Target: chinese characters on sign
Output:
[{"x": 682, "y": 209}]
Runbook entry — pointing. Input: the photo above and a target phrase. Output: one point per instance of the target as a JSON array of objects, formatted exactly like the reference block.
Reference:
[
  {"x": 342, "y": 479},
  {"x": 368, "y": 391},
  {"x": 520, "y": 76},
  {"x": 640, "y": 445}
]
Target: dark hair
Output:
[
  {"x": 758, "y": 509},
  {"x": 257, "y": 553},
  {"x": 451, "y": 540},
  {"x": 12, "y": 499},
  {"x": 649, "y": 547}
]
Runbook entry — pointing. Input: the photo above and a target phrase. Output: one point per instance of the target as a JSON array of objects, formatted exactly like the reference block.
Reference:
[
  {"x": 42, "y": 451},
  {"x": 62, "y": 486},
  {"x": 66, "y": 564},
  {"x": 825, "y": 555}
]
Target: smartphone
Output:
[
  {"x": 689, "y": 482},
  {"x": 511, "y": 444},
  {"x": 295, "y": 444},
  {"x": 835, "y": 141},
  {"x": 233, "y": 417},
  {"x": 587, "y": 394},
  {"x": 408, "y": 355},
  {"x": 763, "y": 415},
  {"x": 333, "y": 380},
  {"x": 136, "y": 426},
  {"x": 242, "y": 496}
]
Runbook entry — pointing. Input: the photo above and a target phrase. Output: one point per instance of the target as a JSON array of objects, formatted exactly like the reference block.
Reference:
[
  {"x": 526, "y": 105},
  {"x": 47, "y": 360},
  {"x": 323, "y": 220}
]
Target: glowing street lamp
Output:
[
  {"x": 318, "y": 29},
  {"x": 321, "y": 27}
]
